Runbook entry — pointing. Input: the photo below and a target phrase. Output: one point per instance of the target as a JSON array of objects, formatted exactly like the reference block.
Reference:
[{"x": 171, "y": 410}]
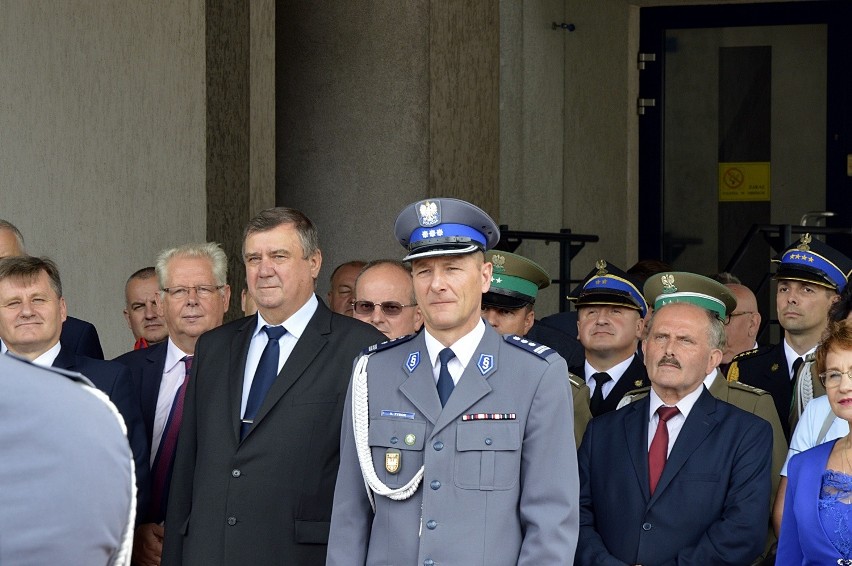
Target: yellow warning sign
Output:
[{"x": 744, "y": 181}]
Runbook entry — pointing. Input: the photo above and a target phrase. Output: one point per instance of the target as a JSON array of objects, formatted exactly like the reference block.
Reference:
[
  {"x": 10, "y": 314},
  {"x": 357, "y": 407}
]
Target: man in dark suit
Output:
[
  {"x": 193, "y": 299},
  {"x": 32, "y": 310},
  {"x": 257, "y": 460},
  {"x": 77, "y": 335},
  {"x": 679, "y": 476},
  {"x": 611, "y": 311}
]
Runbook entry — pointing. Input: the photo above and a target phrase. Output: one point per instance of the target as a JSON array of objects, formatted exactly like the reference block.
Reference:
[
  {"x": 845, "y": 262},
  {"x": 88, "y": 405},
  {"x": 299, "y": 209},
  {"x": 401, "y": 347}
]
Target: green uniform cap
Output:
[
  {"x": 515, "y": 280},
  {"x": 682, "y": 287}
]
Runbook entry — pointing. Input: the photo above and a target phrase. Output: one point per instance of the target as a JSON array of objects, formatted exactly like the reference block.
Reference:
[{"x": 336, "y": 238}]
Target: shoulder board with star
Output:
[
  {"x": 740, "y": 386},
  {"x": 387, "y": 344},
  {"x": 539, "y": 350},
  {"x": 633, "y": 395},
  {"x": 751, "y": 353},
  {"x": 576, "y": 380}
]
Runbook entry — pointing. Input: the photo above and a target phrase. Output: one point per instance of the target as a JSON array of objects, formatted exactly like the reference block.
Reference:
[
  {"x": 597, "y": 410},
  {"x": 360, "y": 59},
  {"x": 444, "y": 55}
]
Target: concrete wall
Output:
[{"x": 102, "y": 151}]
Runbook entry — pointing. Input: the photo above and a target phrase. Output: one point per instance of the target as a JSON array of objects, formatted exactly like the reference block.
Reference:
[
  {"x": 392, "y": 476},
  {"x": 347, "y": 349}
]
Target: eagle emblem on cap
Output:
[
  {"x": 668, "y": 283},
  {"x": 601, "y": 265},
  {"x": 803, "y": 243},
  {"x": 499, "y": 262},
  {"x": 428, "y": 213}
]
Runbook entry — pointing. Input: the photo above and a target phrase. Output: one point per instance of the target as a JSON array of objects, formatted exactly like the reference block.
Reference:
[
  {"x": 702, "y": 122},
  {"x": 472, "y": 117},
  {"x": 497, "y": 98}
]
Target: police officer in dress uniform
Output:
[
  {"x": 610, "y": 320},
  {"x": 509, "y": 307},
  {"x": 456, "y": 445},
  {"x": 682, "y": 287},
  {"x": 810, "y": 277}
]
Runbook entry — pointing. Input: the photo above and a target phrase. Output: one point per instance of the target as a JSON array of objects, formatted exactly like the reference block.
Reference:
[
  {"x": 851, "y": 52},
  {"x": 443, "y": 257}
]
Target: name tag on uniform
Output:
[
  {"x": 398, "y": 415},
  {"x": 489, "y": 417}
]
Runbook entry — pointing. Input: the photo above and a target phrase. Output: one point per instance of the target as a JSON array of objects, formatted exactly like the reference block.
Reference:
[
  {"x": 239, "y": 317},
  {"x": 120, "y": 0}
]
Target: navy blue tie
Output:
[
  {"x": 267, "y": 371},
  {"x": 445, "y": 380}
]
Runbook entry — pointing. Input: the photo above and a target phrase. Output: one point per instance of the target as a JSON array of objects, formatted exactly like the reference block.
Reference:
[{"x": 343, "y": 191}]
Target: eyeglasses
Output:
[
  {"x": 733, "y": 314},
  {"x": 201, "y": 291},
  {"x": 390, "y": 308},
  {"x": 832, "y": 378}
]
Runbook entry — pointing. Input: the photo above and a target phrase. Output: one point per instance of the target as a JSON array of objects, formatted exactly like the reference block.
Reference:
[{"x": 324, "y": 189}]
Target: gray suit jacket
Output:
[
  {"x": 265, "y": 499},
  {"x": 495, "y": 492},
  {"x": 66, "y": 468}
]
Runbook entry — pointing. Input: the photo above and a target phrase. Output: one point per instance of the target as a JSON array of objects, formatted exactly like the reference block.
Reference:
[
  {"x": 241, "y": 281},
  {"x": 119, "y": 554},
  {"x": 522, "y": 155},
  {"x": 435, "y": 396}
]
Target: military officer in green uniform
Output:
[
  {"x": 457, "y": 443},
  {"x": 809, "y": 278},
  {"x": 509, "y": 306},
  {"x": 681, "y": 287}
]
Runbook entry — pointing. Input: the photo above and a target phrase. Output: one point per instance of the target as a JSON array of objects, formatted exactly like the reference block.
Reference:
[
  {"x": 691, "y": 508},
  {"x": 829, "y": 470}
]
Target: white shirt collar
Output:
[
  {"x": 463, "y": 348},
  {"x": 708, "y": 381},
  {"x": 791, "y": 355},
  {"x": 684, "y": 405},
  {"x": 46, "y": 359},
  {"x": 615, "y": 372},
  {"x": 174, "y": 355},
  {"x": 297, "y": 322}
]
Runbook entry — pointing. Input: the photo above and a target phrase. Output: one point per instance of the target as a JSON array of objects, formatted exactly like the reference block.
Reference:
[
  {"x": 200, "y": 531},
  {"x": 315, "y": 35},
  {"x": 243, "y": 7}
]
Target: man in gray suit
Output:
[
  {"x": 466, "y": 444},
  {"x": 67, "y": 493}
]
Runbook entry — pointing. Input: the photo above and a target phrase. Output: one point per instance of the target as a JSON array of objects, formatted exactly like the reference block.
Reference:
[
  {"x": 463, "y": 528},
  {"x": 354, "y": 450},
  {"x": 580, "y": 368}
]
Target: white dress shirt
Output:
[
  {"x": 791, "y": 356},
  {"x": 675, "y": 424},
  {"x": 295, "y": 326},
  {"x": 46, "y": 359},
  {"x": 463, "y": 348},
  {"x": 174, "y": 373},
  {"x": 615, "y": 373}
]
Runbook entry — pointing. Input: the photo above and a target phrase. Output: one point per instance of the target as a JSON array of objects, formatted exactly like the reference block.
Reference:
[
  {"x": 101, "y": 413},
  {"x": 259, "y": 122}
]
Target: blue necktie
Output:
[
  {"x": 445, "y": 380},
  {"x": 267, "y": 371}
]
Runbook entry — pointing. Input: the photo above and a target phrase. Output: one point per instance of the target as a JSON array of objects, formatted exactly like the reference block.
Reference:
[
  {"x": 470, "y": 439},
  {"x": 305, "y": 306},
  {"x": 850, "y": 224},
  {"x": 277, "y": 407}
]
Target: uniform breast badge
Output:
[{"x": 393, "y": 460}]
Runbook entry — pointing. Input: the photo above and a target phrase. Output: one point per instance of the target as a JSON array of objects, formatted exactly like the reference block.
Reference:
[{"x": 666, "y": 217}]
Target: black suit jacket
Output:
[
  {"x": 81, "y": 337},
  {"x": 635, "y": 376},
  {"x": 114, "y": 379},
  {"x": 146, "y": 367},
  {"x": 266, "y": 499},
  {"x": 711, "y": 505}
]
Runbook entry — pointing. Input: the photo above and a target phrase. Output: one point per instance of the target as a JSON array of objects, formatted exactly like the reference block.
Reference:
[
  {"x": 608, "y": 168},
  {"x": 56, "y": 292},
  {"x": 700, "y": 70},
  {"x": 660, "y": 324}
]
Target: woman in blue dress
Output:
[{"x": 817, "y": 524}]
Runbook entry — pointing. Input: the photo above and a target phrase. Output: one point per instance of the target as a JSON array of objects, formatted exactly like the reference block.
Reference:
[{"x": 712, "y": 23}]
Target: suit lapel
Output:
[
  {"x": 312, "y": 341},
  {"x": 236, "y": 371},
  {"x": 420, "y": 386},
  {"x": 636, "y": 435},
  {"x": 65, "y": 359},
  {"x": 635, "y": 373},
  {"x": 695, "y": 429},
  {"x": 472, "y": 385}
]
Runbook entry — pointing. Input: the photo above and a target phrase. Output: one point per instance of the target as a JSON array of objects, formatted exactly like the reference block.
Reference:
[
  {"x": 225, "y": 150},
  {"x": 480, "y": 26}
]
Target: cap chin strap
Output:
[
  {"x": 457, "y": 251},
  {"x": 361, "y": 427}
]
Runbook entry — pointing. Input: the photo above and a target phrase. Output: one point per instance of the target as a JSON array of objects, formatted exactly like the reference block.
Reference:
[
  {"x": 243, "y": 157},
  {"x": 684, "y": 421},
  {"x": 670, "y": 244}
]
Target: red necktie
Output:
[
  {"x": 166, "y": 454},
  {"x": 659, "y": 446},
  {"x": 141, "y": 343}
]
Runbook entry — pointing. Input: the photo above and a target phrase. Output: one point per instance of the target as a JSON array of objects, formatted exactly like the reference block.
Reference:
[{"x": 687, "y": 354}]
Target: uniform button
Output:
[
  {"x": 232, "y": 521},
  {"x": 428, "y": 562},
  {"x": 438, "y": 445},
  {"x": 646, "y": 526},
  {"x": 236, "y": 473},
  {"x": 435, "y": 484},
  {"x": 431, "y": 524},
  {"x": 394, "y": 440},
  {"x": 488, "y": 441}
]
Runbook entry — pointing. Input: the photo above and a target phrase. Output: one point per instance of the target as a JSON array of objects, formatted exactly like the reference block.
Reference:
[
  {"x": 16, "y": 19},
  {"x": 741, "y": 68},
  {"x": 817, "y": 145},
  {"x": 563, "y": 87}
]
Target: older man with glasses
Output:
[{"x": 384, "y": 297}]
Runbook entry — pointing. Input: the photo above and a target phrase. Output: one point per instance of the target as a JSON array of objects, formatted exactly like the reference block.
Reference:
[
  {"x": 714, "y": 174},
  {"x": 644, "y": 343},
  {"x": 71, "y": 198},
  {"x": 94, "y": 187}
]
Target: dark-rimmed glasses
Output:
[{"x": 389, "y": 308}]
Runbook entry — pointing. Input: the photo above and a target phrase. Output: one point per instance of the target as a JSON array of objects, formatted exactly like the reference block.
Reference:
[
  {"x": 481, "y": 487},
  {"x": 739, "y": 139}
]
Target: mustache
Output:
[{"x": 669, "y": 360}]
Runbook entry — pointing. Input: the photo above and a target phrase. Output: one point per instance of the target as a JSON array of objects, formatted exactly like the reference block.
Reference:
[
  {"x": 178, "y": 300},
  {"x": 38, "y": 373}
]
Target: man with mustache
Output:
[
  {"x": 678, "y": 476},
  {"x": 810, "y": 277}
]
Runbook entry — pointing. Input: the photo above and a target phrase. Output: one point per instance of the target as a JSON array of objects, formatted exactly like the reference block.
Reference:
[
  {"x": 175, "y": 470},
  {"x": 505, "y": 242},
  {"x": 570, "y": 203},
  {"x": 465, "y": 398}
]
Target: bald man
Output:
[{"x": 744, "y": 325}]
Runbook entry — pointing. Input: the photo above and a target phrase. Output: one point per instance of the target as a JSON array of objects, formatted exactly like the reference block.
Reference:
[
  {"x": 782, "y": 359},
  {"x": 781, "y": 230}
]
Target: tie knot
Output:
[
  {"x": 275, "y": 332},
  {"x": 187, "y": 361},
  {"x": 667, "y": 412},
  {"x": 601, "y": 377},
  {"x": 446, "y": 355}
]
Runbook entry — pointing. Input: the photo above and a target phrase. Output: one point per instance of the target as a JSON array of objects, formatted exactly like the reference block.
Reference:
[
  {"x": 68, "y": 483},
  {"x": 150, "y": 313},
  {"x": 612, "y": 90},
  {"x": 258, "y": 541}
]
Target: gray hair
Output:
[
  {"x": 272, "y": 218},
  {"x": 6, "y": 225},
  {"x": 210, "y": 251},
  {"x": 715, "y": 331}
]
